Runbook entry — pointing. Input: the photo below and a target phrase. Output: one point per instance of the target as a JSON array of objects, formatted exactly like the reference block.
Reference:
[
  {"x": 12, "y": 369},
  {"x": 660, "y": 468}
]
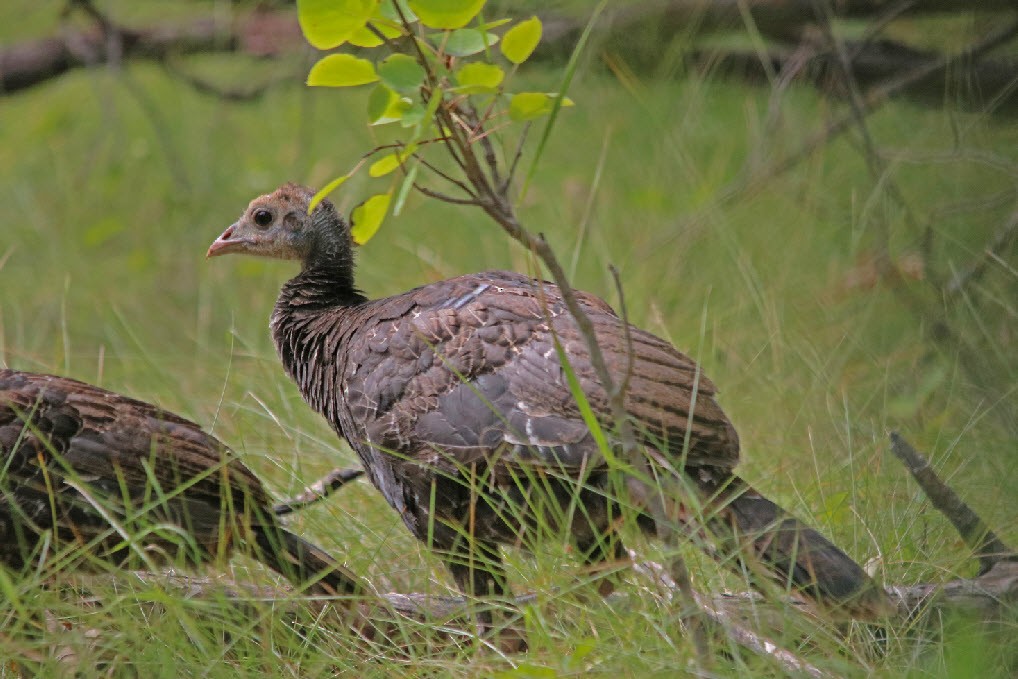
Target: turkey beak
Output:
[{"x": 228, "y": 242}]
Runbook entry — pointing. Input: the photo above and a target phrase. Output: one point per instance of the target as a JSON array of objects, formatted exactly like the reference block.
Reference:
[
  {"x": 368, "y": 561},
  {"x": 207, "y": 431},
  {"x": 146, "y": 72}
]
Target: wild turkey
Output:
[
  {"x": 93, "y": 478},
  {"x": 454, "y": 397}
]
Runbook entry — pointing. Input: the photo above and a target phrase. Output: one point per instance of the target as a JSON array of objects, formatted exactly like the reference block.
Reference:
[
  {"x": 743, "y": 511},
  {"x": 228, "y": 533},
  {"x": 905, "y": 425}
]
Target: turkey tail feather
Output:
[
  {"x": 796, "y": 554},
  {"x": 301, "y": 562}
]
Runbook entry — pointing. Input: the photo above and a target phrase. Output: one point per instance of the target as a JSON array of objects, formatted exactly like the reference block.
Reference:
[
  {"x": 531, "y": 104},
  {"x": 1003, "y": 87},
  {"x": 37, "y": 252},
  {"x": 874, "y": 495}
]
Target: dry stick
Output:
[
  {"x": 1000, "y": 242},
  {"x": 203, "y": 86},
  {"x": 987, "y": 596},
  {"x": 114, "y": 39},
  {"x": 737, "y": 632},
  {"x": 988, "y": 548},
  {"x": 753, "y": 182},
  {"x": 874, "y": 161},
  {"x": 318, "y": 491}
]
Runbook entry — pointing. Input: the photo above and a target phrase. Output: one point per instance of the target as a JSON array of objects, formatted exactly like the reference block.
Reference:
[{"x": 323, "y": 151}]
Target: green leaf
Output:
[
  {"x": 520, "y": 41},
  {"x": 530, "y": 105},
  {"x": 404, "y": 189},
  {"x": 434, "y": 102},
  {"x": 325, "y": 191},
  {"x": 365, "y": 37},
  {"x": 387, "y": 10},
  {"x": 341, "y": 70},
  {"x": 479, "y": 77},
  {"x": 446, "y": 13},
  {"x": 385, "y": 106},
  {"x": 414, "y": 114},
  {"x": 488, "y": 25},
  {"x": 387, "y": 164},
  {"x": 329, "y": 23},
  {"x": 467, "y": 41},
  {"x": 368, "y": 216},
  {"x": 401, "y": 73}
]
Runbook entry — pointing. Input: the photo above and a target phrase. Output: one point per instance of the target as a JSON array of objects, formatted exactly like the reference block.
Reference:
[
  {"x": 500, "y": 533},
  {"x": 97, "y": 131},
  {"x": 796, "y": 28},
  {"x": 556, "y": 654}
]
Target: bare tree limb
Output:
[
  {"x": 733, "y": 628},
  {"x": 31, "y": 62},
  {"x": 988, "y": 548},
  {"x": 317, "y": 491},
  {"x": 250, "y": 92},
  {"x": 782, "y": 19},
  {"x": 1001, "y": 241},
  {"x": 739, "y": 615}
]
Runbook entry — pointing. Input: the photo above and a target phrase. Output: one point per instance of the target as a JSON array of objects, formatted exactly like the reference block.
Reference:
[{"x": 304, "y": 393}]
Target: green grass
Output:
[{"x": 108, "y": 213}]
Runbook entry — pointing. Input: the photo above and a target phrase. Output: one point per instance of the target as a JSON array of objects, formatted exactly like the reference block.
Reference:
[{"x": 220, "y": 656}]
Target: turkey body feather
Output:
[{"x": 92, "y": 478}]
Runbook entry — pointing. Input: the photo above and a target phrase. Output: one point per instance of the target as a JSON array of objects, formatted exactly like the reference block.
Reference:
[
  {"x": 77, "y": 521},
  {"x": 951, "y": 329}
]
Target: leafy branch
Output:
[{"x": 442, "y": 80}]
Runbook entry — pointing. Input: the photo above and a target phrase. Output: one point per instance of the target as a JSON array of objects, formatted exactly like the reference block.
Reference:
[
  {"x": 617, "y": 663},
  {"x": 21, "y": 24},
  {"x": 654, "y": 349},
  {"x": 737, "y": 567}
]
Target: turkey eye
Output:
[{"x": 262, "y": 218}]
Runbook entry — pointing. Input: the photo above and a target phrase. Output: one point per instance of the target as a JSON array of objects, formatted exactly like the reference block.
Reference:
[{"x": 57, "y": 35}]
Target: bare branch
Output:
[
  {"x": 236, "y": 94},
  {"x": 736, "y": 631},
  {"x": 622, "y": 387},
  {"x": 753, "y": 182},
  {"x": 478, "y": 133},
  {"x": 445, "y": 198},
  {"x": 1001, "y": 240},
  {"x": 317, "y": 491},
  {"x": 445, "y": 176},
  {"x": 504, "y": 188},
  {"x": 988, "y": 548}
]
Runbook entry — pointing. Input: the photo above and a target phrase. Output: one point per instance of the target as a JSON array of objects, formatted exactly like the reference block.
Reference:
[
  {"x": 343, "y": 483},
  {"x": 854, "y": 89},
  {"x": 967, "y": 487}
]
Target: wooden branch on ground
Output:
[
  {"x": 992, "y": 591},
  {"x": 31, "y": 62},
  {"x": 1005, "y": 237},
  {"x": 395, "y": 622},
  {"x": 986, "y": 546},
  {"x": 318, "y": 491},
  {"x": 986, "y": 85},
  {"x": 776, "y": 18},
  {"x": 733, "y": 626}
]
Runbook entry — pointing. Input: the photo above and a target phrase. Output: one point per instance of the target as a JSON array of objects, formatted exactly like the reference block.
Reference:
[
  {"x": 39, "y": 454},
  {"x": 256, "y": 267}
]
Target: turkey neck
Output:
[{"x": 314, "y": 314}]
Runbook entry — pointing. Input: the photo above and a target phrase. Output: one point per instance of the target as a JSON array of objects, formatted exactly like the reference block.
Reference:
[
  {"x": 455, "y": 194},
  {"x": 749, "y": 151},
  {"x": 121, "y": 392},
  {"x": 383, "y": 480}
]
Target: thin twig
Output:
[
  {"x": 490, "y": 157},
  {"x": 445, "y": 176},
  {"x": 317, "y": 491},
  {"x": 504, "y": 188},
  {"x": 445, "y": 197},
  {"x": 998, "y": 244},
  {"x": 623, "y": 386},
  {"x": 202, "y": 86},
  {"x": 874, "y": 161},
  {"x": 753, "y": 182},
  {"x": 737, "y": 632},
  {"x": 988, "y": 548}
]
